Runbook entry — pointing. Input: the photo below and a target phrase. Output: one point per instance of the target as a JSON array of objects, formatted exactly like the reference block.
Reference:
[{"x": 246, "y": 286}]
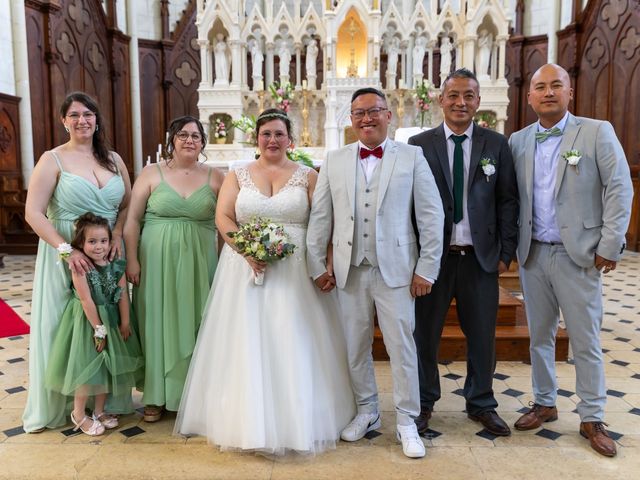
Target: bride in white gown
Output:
[{"x": 269, "y": 371}]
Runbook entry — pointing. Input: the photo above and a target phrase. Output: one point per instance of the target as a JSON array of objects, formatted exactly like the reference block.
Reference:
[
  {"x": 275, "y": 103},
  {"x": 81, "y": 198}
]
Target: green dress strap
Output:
[{"x": 160, "y": 170}]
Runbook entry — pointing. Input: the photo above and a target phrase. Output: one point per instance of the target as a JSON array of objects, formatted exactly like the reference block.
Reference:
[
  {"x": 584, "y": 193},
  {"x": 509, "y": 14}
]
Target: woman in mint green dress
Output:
[
  {"x": 79, "y": 176},
  {"x": 96, "y": 350},
  {"x": 172, "y": 261}
]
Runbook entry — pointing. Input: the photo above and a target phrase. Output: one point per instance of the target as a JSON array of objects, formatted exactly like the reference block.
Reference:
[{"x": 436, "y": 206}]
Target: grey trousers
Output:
[
  {"x": 396, "y": 317},
  {"x": 552, "y": 282}
]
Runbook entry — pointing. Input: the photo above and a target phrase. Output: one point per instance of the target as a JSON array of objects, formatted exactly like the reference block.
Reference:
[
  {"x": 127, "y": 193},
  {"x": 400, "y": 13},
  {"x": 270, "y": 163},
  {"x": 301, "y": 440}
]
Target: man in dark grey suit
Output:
[{"x": 473, "y": 169}]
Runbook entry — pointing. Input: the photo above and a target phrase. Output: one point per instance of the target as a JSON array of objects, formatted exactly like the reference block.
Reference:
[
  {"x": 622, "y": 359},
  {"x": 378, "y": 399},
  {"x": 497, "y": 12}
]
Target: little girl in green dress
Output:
[{"x": 96, "y": 350}]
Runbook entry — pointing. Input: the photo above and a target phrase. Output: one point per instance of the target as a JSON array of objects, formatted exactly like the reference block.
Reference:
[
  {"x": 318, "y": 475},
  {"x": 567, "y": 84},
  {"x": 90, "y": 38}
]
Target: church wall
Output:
[{"x": 7, "y": 79}]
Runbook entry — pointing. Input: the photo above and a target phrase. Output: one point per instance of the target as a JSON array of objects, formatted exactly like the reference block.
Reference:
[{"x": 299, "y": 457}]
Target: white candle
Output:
[
  {"x": 148, "y": 159},
  {"x": 159, "y": 148},
  {"x": 304, "y": 84},
  {"x": 401, "y": 83},
  {"x": 157, "y": 157}
]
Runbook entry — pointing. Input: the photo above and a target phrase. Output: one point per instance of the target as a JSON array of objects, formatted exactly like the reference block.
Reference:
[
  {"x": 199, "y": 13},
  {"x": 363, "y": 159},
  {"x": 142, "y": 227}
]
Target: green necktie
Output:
[
  {"x": 552, "y": 132},
  {"x": 458, "y": 176}
]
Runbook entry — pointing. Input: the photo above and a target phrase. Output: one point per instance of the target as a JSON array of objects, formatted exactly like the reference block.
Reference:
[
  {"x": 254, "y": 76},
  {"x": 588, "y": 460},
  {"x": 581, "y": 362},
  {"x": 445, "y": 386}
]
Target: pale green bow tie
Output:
[{"x": 552, "y": 132}]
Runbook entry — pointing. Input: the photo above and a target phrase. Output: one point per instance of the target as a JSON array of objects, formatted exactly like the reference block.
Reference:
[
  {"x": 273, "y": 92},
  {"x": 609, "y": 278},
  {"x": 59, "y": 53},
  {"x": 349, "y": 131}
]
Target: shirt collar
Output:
[
  {"x": 382, "y": 145},
  {"x": 448, "y": 132},
  {"x": 561, "y": 124}
]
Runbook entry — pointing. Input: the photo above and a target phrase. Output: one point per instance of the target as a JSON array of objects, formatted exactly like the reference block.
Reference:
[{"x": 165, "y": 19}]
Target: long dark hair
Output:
[
  {"x": 175, "y": 126},
  {"x": 100, "y": 145},
  {"x": 82, "y": 223}
]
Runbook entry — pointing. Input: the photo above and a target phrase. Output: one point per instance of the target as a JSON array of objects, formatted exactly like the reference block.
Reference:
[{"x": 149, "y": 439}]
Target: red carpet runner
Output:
[{"x": 10, "y": 323}]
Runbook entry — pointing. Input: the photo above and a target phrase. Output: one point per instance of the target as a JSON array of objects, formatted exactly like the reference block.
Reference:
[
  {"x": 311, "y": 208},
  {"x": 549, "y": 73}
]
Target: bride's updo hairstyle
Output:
[{"x": 273, "y": 114}]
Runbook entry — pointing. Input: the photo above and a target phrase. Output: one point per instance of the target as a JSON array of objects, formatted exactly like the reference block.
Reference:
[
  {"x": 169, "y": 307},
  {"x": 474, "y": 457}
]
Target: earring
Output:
[
  {"x": 257, "y": 154},
  {"x": 97, "y": 127},
  {"x": 66, "y": 129}
]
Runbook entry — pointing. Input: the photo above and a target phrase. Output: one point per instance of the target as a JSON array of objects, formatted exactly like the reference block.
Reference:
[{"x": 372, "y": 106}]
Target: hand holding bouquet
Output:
[{"x": 263, "y": 241}]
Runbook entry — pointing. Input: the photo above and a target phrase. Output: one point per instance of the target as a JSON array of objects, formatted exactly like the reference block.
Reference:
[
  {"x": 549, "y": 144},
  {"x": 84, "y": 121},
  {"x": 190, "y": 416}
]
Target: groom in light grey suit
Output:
[
  {"x": 575, "y": 203},
  {"x": 363, "y": 205}
]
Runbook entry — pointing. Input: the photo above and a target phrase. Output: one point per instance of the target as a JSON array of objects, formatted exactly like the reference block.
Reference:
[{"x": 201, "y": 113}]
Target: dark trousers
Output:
[{"x": 476, "y": 294}]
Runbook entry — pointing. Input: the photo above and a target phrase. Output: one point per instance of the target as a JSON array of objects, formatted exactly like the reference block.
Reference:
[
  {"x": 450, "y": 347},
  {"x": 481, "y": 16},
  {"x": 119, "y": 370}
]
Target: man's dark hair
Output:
[
  {"x": 364, "y": 91},
  {"x": 460, "y": 73}
]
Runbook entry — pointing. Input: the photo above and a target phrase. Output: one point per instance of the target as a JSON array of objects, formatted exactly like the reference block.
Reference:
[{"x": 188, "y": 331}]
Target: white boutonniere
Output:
[
  {"x": 488, "y": 167},
  {"x": 572, "y": 157}
]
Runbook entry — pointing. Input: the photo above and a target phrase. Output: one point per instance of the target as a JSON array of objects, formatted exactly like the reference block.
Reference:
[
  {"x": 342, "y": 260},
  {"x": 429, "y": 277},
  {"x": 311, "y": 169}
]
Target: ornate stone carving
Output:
[
  {"x": 65, "y": 47},
  {"x": 595, "y": 51},
  {"x": 630, "y": 43},
  {"x": 186, "y": 73},
  {"x": 612, "y": 10},
  {"x": 96, "y": 57}
]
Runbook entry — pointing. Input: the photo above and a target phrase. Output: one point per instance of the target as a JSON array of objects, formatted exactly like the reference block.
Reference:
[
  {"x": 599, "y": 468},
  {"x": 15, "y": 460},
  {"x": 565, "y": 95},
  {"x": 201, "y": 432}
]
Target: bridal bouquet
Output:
[{"x": 263, "y": 240}]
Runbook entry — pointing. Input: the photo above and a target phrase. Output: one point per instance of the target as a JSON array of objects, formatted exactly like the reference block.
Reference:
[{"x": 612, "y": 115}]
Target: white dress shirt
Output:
[
  {"x": 545, "y": 168},
  {"x": 369, "y": 163},
  {"x": 461, "y": 231}
]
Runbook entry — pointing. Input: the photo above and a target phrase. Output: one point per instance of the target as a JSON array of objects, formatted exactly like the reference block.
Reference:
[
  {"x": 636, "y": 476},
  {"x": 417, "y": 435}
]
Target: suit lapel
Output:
[
  {"x": 443, "y": 156},
  {"x": 388, "y": 161},
  {"x": 477, "y": 145},
  {"x": 529, "y": 158},
  {"x": 571, "y": 129},
  {"x": 350, "y": 165}
]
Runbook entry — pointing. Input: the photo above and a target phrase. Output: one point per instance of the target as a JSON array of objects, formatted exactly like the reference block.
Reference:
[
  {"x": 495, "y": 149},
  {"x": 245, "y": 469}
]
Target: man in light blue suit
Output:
[{"x": 575, "y": 203}]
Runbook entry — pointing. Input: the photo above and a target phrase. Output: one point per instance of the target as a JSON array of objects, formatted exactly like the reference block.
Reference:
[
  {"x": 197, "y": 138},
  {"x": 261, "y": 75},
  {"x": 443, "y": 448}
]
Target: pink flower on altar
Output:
[{"x": 280, "y": 92}]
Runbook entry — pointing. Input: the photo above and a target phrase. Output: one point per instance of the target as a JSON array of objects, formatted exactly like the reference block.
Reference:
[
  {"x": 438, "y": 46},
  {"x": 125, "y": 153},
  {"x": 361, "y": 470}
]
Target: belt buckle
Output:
[{"x": 463, "y": 252}]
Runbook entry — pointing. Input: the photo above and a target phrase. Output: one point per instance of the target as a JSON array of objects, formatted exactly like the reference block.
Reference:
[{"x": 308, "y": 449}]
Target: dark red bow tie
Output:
[{"x": 376, "y": 152}]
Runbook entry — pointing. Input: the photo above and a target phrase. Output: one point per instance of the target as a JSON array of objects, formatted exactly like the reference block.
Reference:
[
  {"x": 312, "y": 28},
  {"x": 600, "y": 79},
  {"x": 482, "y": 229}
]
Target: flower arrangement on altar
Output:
[
  {"x": 486, "y": 119},
  {"x": 425, "y": 96},
  {"x": 263, "y": 240},
  {"x": 247, "y": 125},
  {"x": 282, "y": 94},
  {"x": 220, "y": 131},
  {"x": 300, "y": 156}
]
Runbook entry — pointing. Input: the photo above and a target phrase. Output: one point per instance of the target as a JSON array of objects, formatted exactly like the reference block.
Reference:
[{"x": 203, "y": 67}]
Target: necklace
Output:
[{"x": 186, "y": 171}]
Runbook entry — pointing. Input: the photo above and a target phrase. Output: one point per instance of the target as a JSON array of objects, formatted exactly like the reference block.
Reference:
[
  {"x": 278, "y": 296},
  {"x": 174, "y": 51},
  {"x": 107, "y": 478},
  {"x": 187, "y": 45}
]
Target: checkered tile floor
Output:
[{"x": 456, "y": 447}]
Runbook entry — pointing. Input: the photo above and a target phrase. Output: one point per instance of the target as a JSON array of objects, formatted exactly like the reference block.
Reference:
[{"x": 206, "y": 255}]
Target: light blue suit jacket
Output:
[{"x": 592, "y": 199}]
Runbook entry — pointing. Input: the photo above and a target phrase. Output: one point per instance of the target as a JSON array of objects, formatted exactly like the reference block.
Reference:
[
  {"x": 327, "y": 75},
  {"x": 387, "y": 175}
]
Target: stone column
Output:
[
  {"x": 205, "y": 74},
  {"x": 236, "y": 71},
  {"x": 269, "y": 65},
  {"x": 134, "y": 77},
  {"x": 298, "y": 82},
  {"x": 502, "y": 56},
  {"x": 431, "y": 45},
  {"x": 21, "y": 55},
  {"x": 465, "y": 56}
]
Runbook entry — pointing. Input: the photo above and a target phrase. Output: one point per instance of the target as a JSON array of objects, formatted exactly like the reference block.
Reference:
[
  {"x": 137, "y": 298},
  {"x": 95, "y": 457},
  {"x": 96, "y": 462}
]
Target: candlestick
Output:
[
  {"x": 305, "y": 138},
  {"x": 260, "y": 101},
  {"x": 401, "y": 93}
]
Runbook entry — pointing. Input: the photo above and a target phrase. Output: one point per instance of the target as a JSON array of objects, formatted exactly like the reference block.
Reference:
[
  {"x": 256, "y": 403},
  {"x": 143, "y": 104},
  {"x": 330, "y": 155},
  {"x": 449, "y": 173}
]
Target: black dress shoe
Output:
[
  {"x": 422, "y": 421},
  {"x": 492, "y": 423}
]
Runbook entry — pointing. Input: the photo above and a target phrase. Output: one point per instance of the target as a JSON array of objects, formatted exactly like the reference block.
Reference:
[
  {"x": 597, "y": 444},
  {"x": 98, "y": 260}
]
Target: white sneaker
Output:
[
  {"x": 412, "y": 445},
  {"x": 361, "y": 424}
]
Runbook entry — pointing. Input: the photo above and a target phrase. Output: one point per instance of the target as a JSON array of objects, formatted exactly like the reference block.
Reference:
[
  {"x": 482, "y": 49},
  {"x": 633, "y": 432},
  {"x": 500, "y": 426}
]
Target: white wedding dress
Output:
[{"x": 269, "y": 372}]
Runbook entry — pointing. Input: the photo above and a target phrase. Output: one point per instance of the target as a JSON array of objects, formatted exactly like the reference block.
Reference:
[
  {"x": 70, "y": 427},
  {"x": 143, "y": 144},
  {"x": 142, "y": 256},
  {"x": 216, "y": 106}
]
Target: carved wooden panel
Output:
[
  {"x": 152, "y": 98},
  {"x": 524, "y": 56},
  {"x": 183, "y": 74}
]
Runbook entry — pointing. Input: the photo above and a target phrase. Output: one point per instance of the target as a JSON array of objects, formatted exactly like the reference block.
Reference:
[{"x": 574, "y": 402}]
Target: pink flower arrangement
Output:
[{"x": 282, "y": 94}]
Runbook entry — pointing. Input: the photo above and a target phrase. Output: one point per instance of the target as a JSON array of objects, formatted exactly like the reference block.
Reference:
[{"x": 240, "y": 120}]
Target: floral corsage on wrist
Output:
[
  {"x": 572, "y": 157},
  {"x": 488, "y": 167},
  {"x": 64, "y": 251},
  {"x": 99, "y": 334}
]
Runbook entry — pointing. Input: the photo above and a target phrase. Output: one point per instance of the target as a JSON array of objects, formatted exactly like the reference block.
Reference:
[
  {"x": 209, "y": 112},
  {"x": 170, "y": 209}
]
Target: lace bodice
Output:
[{"x": 289, "y": 206}]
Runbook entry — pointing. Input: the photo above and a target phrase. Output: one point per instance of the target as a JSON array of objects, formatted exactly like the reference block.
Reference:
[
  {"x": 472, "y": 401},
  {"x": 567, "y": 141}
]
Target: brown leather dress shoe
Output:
[
  {"x": 600, "y": 440},
  {"x": 422, "y": 421},
  {"x": 536, "y": 416},
  {"x": 492, "y": 423}
]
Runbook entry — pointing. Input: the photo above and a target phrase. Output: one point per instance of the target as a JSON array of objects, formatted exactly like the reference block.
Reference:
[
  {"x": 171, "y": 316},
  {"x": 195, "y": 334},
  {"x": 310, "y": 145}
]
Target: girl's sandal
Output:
[
  {"x": 94, "y": 430},
  {"x": 108, "y": 421}
]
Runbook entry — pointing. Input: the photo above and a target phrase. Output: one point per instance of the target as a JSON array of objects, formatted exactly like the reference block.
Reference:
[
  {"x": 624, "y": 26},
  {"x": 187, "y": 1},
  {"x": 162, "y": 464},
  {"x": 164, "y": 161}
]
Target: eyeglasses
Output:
[
  {"x": 279, "y": 136},
  {"x": 184, "y": 136},
  {"x": 372, "y": 112},
  {"x": 88, "y": 116}
]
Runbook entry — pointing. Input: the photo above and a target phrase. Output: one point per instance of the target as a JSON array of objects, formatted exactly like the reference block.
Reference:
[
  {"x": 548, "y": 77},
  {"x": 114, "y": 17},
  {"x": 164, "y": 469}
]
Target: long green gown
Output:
[
  {"x": 74, "y": 361},
  {"x": 178, "y": 257},
  {"x": 72, "y": 197}
]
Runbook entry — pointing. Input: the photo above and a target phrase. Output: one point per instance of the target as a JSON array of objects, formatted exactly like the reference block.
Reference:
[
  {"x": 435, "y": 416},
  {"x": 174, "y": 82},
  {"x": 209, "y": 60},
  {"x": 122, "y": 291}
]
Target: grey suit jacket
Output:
[
  {"x": 406, "y": 183},
  {"x": 492, "y": 203},
  {"x": 592, "y": 199}
]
